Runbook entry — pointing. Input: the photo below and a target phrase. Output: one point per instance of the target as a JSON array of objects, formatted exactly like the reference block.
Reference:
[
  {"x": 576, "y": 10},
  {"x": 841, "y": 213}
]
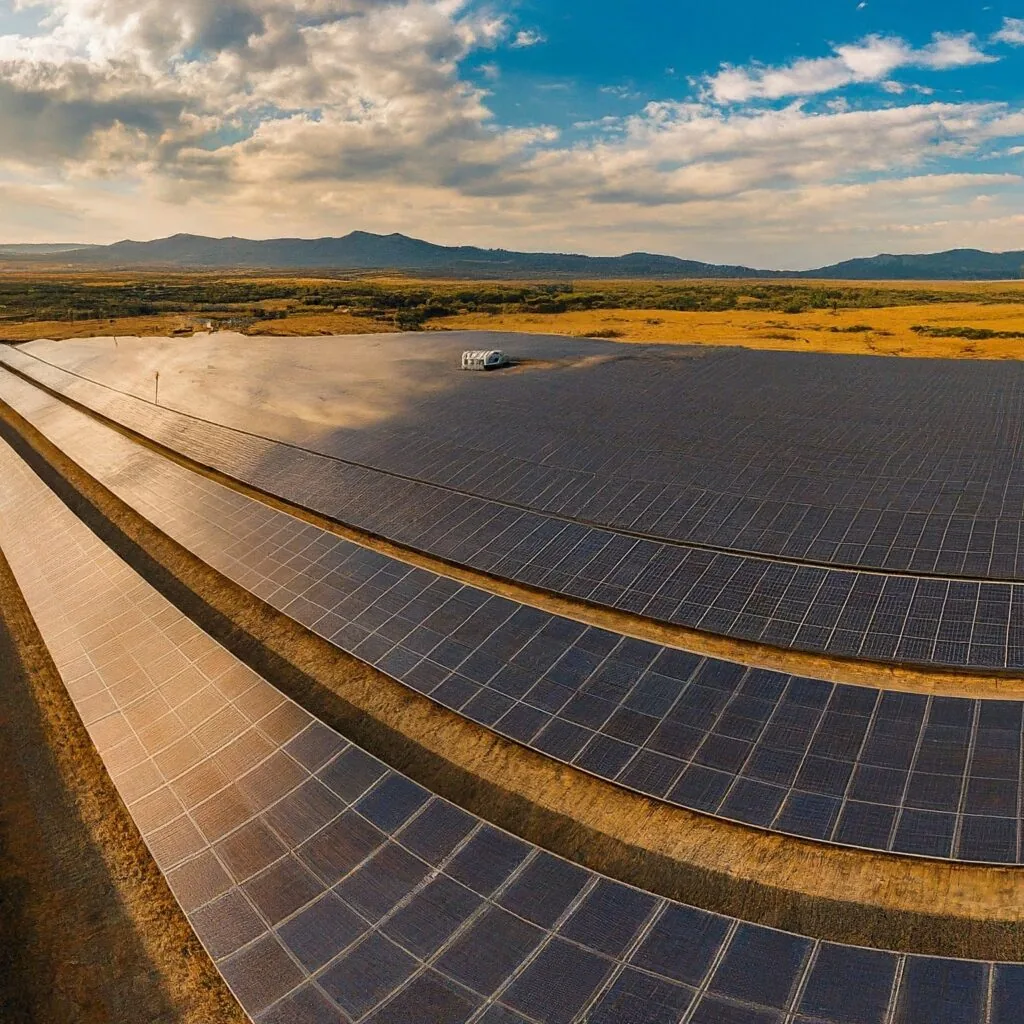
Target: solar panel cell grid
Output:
[
  {"x": 723, "y": 592},
  {"x": 312, "y": 912},
  {"x": 831, "y": 762}
]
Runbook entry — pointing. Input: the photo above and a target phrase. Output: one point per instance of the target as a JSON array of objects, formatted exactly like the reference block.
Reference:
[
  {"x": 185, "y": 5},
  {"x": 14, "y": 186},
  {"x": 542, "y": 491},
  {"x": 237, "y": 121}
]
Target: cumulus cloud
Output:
[
  {"x": 526, "y": 38},
  {"x": 873, "y": 59},
  {"x": 673, "y": 153},
  {"x": 185, "y": 76},
  {"x": 306, "y": 116},
  {"x": 1012, "y": 32}
]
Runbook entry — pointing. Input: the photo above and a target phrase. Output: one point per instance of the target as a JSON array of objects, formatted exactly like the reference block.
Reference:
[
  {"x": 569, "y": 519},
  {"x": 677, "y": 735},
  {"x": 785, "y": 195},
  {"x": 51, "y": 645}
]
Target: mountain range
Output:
[{"x": 363, "y": 251}]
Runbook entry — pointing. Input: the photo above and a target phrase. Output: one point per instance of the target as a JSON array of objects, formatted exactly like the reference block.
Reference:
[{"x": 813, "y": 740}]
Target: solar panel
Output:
[
  {"x": 837, "y": 763},
  {"x": 312, "y": 911},
  {"x": 838, "y": 611}
]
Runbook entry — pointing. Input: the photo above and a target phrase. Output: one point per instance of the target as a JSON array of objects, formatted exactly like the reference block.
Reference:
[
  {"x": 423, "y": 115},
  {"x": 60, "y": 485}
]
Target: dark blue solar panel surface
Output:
[
  {"x": 328, "y": 888},
  {"x": 908, "y": 773},
  {"x": 907, "y": 619},
  {"x": 908, "y": 465}
]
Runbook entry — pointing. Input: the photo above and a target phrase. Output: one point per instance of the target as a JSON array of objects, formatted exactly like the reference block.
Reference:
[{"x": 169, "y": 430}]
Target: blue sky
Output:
[
  {"x": 784, "y": 135},
  {"x": 652, "y": 47}
]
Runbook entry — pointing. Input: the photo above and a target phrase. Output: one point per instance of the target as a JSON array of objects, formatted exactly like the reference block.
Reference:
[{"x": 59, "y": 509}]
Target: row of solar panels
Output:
[
  {"x": 903, "y": 467},
  {"x": 908, "y": 773},
  {"x": 903, "y": 619},
  {"x": 328, "y": 888},
  {"x": 902, "y": 517}
]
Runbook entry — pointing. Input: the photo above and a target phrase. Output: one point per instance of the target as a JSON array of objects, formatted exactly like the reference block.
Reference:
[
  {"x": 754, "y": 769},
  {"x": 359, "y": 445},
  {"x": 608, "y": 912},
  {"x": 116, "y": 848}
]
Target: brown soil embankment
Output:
[
  {"x": 838, "y": 894},
  {"x": 89, "y": 931}
]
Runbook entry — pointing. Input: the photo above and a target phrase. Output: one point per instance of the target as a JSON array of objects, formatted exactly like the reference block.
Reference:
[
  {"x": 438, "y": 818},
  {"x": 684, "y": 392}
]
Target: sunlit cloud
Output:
[
  {"x": 312, "y": 116},
  {"x": 1012, "y": 32},
  {"x": 526, "y": 38},
  {"x": 873, "y": 59}
]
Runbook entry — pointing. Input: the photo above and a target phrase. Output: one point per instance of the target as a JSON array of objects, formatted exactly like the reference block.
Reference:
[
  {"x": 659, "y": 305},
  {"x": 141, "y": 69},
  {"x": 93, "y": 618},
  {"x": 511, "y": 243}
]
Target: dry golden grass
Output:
[
  {"x": 815, "y": 331},
  {"x": 305, "y": 325},
  {"x": 991, "y": 305},
  {"x": 136, "y": 326}
]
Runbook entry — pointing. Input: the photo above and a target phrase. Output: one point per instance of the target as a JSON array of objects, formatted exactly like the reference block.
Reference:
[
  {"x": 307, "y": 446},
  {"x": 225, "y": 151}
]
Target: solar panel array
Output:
[
  {"x": 328, "y": 888},
  {"x": 914, "y": 467},
  {"x": 882, "y": 617},
  {"x": 851, "y": 461},
  {"x": 907, "y": 465},
  {"x": 930, "y": 776}
]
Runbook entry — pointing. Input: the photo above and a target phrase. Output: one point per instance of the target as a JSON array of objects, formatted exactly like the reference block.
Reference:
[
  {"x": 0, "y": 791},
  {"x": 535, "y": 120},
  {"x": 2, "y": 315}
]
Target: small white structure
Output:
[{"x": 484, "y": 360}]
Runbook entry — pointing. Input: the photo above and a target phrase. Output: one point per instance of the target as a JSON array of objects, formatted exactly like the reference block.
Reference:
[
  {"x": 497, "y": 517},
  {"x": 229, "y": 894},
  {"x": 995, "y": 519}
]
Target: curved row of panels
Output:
[
  {"x": 878, "y": 616},
  {"x": 328, "y": 888},
  {"x": 905, "y": 465},
  {"x": 907, "y": 773}
]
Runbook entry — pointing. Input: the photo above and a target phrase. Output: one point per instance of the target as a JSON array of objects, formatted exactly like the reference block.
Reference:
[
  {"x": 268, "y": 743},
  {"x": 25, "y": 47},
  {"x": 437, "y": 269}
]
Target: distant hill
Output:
[
  {"x": 955, "y": 265},
  {"x": 40, "y": 249},
  {"x": 363, "y": 251}
]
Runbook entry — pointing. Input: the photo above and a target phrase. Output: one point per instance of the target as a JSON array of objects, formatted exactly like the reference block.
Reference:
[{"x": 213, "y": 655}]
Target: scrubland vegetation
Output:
[{"x": 893, "y": 318}]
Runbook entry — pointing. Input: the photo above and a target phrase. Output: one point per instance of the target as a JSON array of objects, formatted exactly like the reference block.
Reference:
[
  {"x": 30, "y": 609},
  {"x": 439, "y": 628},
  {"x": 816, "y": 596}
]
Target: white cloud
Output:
[
  {"x": 526, "y": 38},
  {"x": 873, "y": 59},
  {"x": 268, "y": 117},
  {"x": 620, "y": 92},
  {"x": 1012, "y": 32},
  {"x": 180, "y": 78},
  {"x": 672, "y": 153}
]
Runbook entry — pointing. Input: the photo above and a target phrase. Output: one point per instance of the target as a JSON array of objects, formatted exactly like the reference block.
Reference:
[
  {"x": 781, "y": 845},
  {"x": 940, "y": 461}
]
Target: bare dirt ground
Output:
[{"x": 89, "y": 932}]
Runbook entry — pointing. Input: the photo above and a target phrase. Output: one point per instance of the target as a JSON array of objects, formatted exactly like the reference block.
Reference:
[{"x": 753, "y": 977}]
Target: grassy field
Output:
[
  {"x": 953, "y": 320},
  {"x": 887, "y": 331},
  {"x": 171, "y": 324}
]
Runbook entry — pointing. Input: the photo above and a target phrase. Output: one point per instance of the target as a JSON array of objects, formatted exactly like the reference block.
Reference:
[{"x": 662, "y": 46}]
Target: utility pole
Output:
[{"x": 156, "y": 396}]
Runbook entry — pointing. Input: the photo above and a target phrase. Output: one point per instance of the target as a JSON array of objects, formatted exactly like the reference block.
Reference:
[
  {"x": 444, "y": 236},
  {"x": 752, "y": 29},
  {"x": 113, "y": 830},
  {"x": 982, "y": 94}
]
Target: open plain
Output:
[{"x": 919, "y": 319}]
